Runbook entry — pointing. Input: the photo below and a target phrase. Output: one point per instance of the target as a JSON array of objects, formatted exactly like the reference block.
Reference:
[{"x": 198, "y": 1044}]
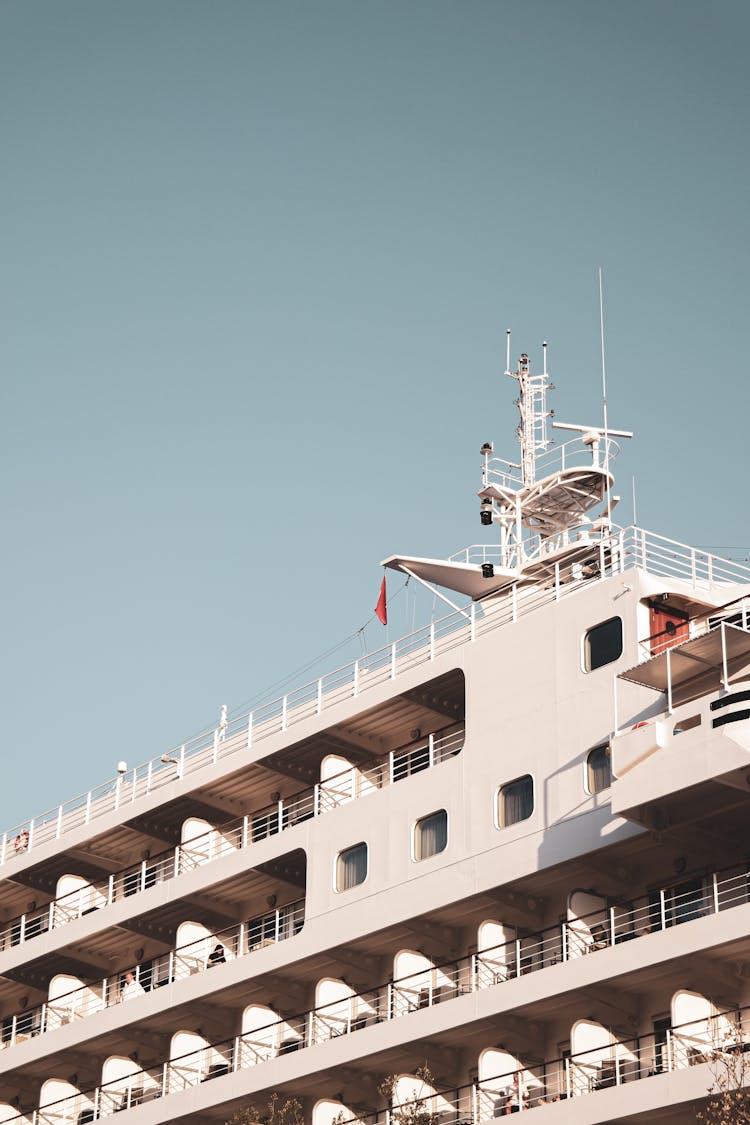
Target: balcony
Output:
[
  {"x": 314, "y": 801},
  {"x": 624, "y": 548}
]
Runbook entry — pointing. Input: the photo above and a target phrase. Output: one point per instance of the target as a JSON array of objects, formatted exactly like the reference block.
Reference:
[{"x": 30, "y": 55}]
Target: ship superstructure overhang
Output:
[{"x": 510, "y": 845}]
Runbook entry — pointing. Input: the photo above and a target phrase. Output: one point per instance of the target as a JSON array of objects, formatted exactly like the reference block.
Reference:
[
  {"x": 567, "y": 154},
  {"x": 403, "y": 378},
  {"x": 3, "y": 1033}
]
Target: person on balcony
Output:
[{"x": 131, "y": 988}]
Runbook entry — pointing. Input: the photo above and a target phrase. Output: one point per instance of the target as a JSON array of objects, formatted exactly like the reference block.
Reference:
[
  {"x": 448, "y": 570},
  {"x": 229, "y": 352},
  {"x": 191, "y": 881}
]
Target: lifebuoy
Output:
[{"x": 21, "y": 842}]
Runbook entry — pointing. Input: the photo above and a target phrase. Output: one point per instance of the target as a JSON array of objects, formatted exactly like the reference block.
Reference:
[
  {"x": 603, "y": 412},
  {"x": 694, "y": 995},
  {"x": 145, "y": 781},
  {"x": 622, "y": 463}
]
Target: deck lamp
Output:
[{"x": 485, "y": 513}]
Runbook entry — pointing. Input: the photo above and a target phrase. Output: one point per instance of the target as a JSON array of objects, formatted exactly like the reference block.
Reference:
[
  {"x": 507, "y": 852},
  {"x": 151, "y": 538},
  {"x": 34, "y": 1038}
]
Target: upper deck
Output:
[{"x": 710, "y": 578}]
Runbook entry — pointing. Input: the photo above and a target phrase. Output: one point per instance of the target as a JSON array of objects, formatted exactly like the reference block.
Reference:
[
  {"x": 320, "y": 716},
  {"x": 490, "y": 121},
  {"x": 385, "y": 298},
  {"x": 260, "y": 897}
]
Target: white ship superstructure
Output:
[{"x": 511, "y": 845}]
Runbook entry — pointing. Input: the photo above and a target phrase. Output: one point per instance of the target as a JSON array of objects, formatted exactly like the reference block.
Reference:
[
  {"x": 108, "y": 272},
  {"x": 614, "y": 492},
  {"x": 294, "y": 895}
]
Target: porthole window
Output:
[
  {"x": 599, "y": 768},
  {"x": 602, "y": 644},
  {"x": 515, "y": 801},
  {"x": 351, "y": 867},
  {"x": 431, "y": 835}
]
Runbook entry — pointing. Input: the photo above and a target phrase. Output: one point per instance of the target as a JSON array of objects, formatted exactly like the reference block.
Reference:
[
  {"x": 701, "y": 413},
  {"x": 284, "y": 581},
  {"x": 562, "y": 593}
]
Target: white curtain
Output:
[{"x": 351, "y": 869}]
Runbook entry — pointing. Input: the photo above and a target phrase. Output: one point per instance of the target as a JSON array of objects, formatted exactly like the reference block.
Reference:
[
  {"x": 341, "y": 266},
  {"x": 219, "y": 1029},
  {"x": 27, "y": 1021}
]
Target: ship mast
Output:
[{"x": 532, "y": 406}]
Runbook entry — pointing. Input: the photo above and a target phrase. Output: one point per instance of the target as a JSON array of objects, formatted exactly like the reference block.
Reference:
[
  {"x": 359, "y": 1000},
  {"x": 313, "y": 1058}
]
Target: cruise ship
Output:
[{"x": 510, "y": 847}]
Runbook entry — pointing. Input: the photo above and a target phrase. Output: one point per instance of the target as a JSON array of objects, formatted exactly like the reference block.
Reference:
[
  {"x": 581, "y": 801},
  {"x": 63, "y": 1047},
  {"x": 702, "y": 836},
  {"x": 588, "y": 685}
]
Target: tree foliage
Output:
[
  {"x": 728, "y": 1102},
  {"x": 277, "y": 1112},
  {"x": 418, "y": 1108}
]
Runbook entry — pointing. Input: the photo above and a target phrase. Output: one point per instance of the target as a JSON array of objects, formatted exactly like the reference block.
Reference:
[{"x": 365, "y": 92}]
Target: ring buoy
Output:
[{"x": 21, "y": 842}]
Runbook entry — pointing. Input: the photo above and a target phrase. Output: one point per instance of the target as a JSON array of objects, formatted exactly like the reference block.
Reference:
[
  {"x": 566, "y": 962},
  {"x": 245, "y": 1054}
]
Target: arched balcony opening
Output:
[
  {"x": 419, "y": 983},
  {"x": 74, "y": 897},
  {"x": 124, "y": 1085},
  {"x": 587, "y": 923},
  {"x": 68, "y": 997},
  {"x": 334, "y": 1009},
  {"x": 701, "y": 1028},
  {"x": 194, "y": 945},
  {"x": 506, "y": 1084},
  {"x": 201, "y": 842},
  {"x": 61, "y": 1103},
  {"x": 496, "y": 952},
  {"x": 325, "y": 1112}
]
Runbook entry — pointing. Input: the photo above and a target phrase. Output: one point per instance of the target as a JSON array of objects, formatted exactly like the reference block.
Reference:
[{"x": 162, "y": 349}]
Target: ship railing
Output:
[
  {"x": 573, "y": 454},
  {"x": 624, "y": 547},
  {"x": 669, "y": 906},
  {"x": 321, "y": 798},
  {"x": 195, "y": 957},
  {"x": 615, "y": 1062}
]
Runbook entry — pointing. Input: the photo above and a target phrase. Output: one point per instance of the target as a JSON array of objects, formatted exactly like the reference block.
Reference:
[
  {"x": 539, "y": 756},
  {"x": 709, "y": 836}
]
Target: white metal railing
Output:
[
  {"x": 626, "y": 547},
  {"x": 315, "y": 800},
  {"x": 573, "y": 454},
  {"x": 583, "y": 936},
  {"x": 526, "y": 1087},
  {"x": 196, "y": 957}
]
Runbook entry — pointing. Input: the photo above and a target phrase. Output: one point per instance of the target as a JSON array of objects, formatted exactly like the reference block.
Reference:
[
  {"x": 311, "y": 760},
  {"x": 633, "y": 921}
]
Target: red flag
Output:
[{"x": 381, "y": 609}]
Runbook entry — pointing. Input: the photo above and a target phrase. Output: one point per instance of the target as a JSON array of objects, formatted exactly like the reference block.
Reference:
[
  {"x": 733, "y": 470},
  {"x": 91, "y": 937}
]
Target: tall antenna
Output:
[{"x": 604, "y": 397}]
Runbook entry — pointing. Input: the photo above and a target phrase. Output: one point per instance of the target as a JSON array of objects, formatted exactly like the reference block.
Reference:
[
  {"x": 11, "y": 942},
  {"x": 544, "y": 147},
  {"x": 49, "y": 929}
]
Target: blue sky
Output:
[{"x": 257, "y": 265}]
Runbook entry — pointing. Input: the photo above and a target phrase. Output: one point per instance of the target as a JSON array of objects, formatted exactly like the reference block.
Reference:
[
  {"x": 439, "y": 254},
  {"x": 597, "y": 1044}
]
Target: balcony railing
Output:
[
  {"x": 323, "y": 797},
  {"x": 187, "y": 960},
  {"x": 437, "y": 984},
  {"x": 627, "y": 547},
  {"x": 528, "y": 1086}
]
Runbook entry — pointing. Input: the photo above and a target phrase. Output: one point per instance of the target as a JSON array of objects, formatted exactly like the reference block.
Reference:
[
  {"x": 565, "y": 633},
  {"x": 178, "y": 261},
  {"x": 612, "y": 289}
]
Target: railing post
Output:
[
  {"x": 281, "y": 814},
  {"x": 316, "y": 799},
  {"x": 518, "y": 957},
  {"x": 557, "y": 582},
  {"x": 216, "y": 746},
  {"x": 431, "y": 750},
  {"x": 164, "y": 1084},
  {"x": 716, "y": 893},
  {"x": 724, "y": 669},
  {"x": 149, "y": 773},
  {"x": 601, "y": 559},
  {"x": 393, "y": 661},
  {"x": 670, "y": 1050},
  {"x": 134, "y": 789},
  {"x": 277, "y": 926},
  {"x": 669, "y": 681},
  {"x": 565, "y": 950},
  {"x": 611, "y": 925},
  {"x": 181, "y": 766},
  {"x": 118, "y": 786},
  {"x": 663, "y": 909},
  {"x": 43, "y": 1020},
  {"x": 567, "y": 1078},
  {"x": 31, "y": 836}
]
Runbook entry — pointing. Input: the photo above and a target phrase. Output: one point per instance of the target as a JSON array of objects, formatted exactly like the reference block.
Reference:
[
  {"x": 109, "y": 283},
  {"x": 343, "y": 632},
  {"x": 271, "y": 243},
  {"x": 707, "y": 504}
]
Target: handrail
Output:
[
  {"x": 186, "y": 960},
  {"x": 622, "y": 548},
  {"x": 526, "y": 1087},
  {"x": 443, "y": 981},
  {"x": 236, "y": 835}
]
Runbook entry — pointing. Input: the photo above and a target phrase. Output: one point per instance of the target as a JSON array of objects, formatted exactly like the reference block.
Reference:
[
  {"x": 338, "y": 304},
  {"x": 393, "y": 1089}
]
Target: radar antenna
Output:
[{"x": 532, "y": 406}]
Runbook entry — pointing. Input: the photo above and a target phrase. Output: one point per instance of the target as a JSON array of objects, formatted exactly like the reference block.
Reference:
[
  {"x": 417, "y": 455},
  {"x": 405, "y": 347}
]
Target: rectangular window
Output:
[
  {"x": 351, "y": 867},
  {"x": 599, "y": 768},
  {"x": 602, "y": 644},
  {"x": 515, "y": 801},
  {"x": 431, "y": 835}
]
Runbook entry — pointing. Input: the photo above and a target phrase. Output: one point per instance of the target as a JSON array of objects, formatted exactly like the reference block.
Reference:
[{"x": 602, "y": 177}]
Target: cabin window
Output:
[
  {"x": 602, "y": 644},
  {"x": 515, "y": 801},
  {"x": 431, "y": 835},
  {"x": 599, "y": 768},
  {"x": 351, "y": 867}
]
